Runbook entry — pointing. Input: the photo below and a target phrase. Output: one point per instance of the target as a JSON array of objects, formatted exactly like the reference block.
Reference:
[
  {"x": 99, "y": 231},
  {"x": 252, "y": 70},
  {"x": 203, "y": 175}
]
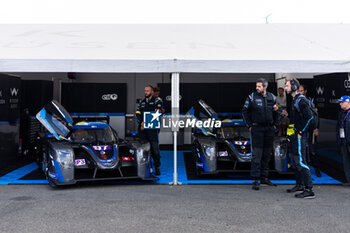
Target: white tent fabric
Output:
[{"x": 248, "y": 48}]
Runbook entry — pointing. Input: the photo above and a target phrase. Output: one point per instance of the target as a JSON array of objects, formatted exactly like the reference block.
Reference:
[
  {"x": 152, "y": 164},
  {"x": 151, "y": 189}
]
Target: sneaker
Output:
[
  {"x": 307, "y": 193},
  {"x": 318, "y": 172},
  {"x": 256, "y": 185},
  {"x": 296, "y": 188},
  {"x": 157, "y": 172},
  {"x": 266, "y": 182}
]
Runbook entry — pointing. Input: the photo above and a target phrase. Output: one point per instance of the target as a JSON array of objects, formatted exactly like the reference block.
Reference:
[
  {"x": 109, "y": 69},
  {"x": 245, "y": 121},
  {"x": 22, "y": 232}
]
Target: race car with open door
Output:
[
  {"x": 87, "y": 151},
  {"x": 227, "y": 148}
]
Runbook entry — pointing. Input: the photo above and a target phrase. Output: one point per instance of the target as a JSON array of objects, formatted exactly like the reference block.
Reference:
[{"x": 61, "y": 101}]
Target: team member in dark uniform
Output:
[
  {"x": 300, "y": 118},
  {"x": 261, "y": 116},
  {"x": 313, "y": 158},
  {"x": 343, "y": 135},
  {"x": 150, "y": 104}
]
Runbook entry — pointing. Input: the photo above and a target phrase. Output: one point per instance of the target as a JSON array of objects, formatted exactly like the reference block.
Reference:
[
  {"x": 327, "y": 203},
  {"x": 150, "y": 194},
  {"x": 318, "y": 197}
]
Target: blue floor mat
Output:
[
  {"x": 14, "y": 176},
  {"x": 167, "y": 170},
  {"x": 167, "y": 167}
]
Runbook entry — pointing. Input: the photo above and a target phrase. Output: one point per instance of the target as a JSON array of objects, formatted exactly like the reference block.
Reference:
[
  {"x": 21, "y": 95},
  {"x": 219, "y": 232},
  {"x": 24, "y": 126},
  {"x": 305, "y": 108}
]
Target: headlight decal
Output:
[
  {"x": 65, "y": 158},
  {"x": 209, "y": 150},
  {"x": 142, "y": 158}
]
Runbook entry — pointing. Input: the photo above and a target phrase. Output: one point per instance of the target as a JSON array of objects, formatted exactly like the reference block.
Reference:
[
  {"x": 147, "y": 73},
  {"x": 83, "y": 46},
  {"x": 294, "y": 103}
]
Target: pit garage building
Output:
[{"x": 79, "y": 64}]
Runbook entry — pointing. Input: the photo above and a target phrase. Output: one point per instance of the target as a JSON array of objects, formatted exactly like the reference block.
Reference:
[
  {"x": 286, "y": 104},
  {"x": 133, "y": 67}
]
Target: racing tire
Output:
[
  {"x": 197, "y": 172},
  {"x": 52, "y": 183},
  {"x": 194, "y": 161}
]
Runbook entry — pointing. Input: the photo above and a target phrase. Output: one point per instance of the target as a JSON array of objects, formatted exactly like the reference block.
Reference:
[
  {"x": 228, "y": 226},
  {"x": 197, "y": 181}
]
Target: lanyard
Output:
[{"x": 346, "y": 116}]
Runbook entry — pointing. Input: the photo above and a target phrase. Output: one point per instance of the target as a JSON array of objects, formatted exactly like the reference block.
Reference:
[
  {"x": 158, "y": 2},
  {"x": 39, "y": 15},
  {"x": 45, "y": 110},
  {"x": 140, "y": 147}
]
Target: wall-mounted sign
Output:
[
  {"x": 94, "y": 97},
  {"x": 9, "y": 97},
  {"x": 329, "y": 88}
]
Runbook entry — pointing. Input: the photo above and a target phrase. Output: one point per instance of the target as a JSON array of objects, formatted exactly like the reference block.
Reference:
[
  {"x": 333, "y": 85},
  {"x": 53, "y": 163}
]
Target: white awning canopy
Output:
[{"x": 238, "y": 48}]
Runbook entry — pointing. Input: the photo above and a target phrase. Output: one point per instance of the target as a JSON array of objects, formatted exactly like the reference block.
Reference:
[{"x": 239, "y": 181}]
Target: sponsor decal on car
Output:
[
  {"x": 101, "y": 148},
  {"x": 52, "y": 175},
  {"x": 80, "y": 162},
  {"x": 222, "y": 153}
]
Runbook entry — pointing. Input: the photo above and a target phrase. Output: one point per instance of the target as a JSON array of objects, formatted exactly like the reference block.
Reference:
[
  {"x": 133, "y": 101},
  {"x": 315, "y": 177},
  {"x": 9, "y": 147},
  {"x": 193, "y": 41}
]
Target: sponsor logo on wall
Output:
[
  {"x": 168, "y": 97},
  {"x": 14, "y": 91},
  {"x": 319, "y": 90},
  {"x": 96, "y": 97},
  {"x": 329, "y": 88},
  {"x": 347, "y": 83},
  {"x": 14, "y": 98},
  {"x": 9, "y": 97},
  {"x": 333, "y": 99},
  {"x": 112, "y": 97},
  {"x": 320, "y": 101}
]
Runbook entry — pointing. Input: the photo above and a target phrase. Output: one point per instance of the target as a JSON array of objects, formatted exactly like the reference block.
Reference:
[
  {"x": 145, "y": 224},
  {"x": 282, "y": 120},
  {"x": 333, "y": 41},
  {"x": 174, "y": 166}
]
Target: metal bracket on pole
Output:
[{"x": 175, "y": 106}]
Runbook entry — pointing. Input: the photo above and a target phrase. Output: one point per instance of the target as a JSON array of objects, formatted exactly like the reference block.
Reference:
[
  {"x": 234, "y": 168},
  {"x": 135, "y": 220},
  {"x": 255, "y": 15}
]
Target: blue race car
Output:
[
  {"x": 228, "y": 148},
  {"x": 87, "y": 151}
]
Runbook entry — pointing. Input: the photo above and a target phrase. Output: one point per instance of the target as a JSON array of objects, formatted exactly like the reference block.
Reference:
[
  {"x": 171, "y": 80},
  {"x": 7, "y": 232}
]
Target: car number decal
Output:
[
  {"x": 101, "y": 147},
  {"x": 80, "y": 162}
]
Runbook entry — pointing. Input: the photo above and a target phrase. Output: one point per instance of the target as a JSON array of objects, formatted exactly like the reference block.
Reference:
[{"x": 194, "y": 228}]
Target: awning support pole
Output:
[{"x": 175, "y": 106}]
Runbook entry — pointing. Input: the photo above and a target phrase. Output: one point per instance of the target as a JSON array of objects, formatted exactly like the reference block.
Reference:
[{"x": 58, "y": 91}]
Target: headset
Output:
[{"x": 294, "y": 85}]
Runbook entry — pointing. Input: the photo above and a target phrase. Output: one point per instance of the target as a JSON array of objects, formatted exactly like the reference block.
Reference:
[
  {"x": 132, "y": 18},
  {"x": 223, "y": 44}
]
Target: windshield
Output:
[
  {"x": 96, "y": 136},
  {"x": 235, "y": 132}
]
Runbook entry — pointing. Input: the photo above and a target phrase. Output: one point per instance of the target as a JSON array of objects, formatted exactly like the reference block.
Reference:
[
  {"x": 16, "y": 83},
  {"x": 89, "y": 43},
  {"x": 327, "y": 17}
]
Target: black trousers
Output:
[
  {"x": 261, "y": 139},
  {"x": 151, "y": 136},
  {"x": 345, "y": 151},
  {"x": 298, "y": 155}
]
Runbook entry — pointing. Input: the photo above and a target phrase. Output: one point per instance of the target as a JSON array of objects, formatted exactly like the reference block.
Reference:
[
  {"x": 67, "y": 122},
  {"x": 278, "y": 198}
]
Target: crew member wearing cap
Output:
[{"x": 343, "y": 135}]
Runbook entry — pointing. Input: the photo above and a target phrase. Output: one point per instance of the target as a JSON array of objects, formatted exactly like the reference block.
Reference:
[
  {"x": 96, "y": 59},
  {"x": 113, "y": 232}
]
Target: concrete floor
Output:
[{"x": 163, "y": 208}]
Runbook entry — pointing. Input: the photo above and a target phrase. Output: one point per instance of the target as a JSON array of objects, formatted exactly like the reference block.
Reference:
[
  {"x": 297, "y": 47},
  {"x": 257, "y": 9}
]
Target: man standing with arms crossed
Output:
[
  {"x": 300, "y": 117},
  {"x": 261, "y": 116}
]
